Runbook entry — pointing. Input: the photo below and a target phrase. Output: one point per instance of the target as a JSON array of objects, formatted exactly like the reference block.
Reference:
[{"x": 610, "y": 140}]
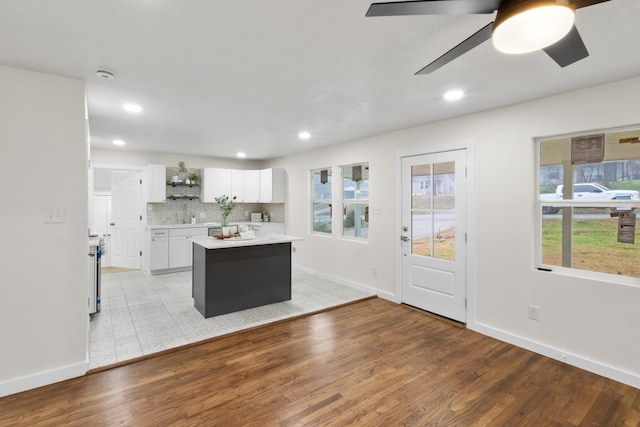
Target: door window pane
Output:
[
  {"x": 421, "y": 218},
  {"x": 433, "y": 212},
  {"x": 421, "y": 232},
  {"x": 444, "y": 210}
]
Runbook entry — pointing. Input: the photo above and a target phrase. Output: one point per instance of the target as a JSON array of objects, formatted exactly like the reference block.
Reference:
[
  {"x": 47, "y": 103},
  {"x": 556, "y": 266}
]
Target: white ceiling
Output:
[{"x": 216, "y": 77}]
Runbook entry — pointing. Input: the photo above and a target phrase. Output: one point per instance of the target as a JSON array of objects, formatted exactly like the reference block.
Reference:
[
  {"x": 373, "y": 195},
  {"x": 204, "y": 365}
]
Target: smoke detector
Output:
[{"x": 105, "y": 74}]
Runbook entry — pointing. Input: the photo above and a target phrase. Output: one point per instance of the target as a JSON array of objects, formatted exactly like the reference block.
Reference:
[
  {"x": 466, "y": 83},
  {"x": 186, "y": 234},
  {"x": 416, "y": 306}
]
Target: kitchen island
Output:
[{"x": 232, "y": 275}]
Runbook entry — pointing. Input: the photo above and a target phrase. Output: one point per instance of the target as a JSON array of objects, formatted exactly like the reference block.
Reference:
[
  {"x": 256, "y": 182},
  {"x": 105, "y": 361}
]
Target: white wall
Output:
[
  {"x": 594, "y": 324},
  {"x": 43, "y": 294}
]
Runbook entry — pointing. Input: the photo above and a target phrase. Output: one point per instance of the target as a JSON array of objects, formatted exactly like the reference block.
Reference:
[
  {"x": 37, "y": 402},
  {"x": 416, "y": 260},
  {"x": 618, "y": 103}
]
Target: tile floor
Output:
[{"x": 143, "y": 314}]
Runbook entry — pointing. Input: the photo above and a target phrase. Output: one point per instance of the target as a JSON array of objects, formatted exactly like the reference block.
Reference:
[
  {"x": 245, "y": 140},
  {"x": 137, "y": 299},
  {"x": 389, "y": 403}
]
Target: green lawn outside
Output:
[{"x": 595, "y": 246}]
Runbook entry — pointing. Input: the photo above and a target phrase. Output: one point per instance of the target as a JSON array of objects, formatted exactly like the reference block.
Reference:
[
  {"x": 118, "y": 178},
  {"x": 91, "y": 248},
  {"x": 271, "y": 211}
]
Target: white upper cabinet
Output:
[
  {"x": 251, "y": 186},
  {"x": 237, "y": 185},
  {"x": 215, "y": 183},
  {"x": 156, "y": 183},
  {"x": 272, "y": 186}
]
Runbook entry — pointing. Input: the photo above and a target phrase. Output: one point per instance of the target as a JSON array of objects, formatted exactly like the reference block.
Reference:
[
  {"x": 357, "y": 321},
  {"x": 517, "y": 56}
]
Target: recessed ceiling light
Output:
[
  {"x": 118, "y": 142},
  {"x": 454, "y": 95},
  {"x": 241, "y": 155},
  {"x": 304, "y": 135},
  {"x": 132, "y": 108}
]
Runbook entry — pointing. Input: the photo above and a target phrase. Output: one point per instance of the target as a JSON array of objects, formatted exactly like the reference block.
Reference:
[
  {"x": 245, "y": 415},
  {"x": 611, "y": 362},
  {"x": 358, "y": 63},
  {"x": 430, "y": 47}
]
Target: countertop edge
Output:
[{"x": 209, "y": 242}]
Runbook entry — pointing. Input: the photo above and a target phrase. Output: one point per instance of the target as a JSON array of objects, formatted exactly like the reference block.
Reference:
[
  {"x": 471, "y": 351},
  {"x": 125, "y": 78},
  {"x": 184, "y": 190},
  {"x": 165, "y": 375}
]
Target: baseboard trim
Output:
[
  {"x": 385, "y": 295},
  {"x": 41, "y": 379},
  {"x": 569, "y": 358}
]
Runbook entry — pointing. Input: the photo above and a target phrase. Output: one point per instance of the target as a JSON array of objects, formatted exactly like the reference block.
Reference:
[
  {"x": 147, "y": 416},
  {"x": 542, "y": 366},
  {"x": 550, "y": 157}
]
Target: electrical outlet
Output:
[
  {"x": 374, "y": 271},
  {"x": 534, "y": 312}
]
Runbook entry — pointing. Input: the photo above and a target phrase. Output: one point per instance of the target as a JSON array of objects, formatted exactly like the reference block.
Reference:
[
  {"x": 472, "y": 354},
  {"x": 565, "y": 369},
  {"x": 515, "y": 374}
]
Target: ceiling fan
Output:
[{"x": 520, "y": 26}]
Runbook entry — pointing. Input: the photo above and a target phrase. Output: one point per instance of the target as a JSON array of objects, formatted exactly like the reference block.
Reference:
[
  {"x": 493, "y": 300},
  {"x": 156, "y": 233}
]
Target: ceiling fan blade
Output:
[
  {"x": 584, "y": 3},
  {"x": 478, "y": 38},
  {"x": 568, "y": 50},
  {"x": 433, "y": 7}
]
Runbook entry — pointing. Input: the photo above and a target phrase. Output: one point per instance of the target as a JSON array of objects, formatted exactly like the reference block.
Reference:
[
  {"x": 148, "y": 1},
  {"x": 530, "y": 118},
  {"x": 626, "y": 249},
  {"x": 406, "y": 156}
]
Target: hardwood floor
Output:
[{"x": 370, "y": 363}]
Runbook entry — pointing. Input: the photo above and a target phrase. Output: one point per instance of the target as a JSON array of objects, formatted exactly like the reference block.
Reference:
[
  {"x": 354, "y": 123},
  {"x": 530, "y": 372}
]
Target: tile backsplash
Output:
[{"x": 181, "y": 211}]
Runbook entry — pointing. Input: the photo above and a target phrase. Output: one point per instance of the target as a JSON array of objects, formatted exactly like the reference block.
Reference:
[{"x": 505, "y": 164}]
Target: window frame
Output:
[{"x": 539, "y": 203}]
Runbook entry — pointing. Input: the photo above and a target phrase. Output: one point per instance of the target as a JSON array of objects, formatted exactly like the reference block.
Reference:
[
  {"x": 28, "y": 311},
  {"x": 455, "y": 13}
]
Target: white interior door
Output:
[
  {"x": 126, "y": 223},
  {"x": 434, "y": 233}
]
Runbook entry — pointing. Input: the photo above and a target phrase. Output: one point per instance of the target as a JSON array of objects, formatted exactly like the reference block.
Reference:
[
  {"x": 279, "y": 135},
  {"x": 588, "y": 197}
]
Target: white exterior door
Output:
[
  {"x": 126, "y": 208},
  {"x": 434, "y": 254}
]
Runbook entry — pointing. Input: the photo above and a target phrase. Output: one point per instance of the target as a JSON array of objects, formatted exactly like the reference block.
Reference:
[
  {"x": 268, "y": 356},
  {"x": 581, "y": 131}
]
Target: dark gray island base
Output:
[{"x": 234, "y": 278}]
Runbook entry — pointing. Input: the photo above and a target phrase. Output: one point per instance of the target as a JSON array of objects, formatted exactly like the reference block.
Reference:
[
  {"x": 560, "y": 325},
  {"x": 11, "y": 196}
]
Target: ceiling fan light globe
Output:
[{"x": 526, "y": 29}]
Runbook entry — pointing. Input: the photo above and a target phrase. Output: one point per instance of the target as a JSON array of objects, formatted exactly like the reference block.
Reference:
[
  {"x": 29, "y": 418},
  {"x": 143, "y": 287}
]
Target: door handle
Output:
[
  {"x": 112, "y": 223},
  {"x": 405, "y": 239}
]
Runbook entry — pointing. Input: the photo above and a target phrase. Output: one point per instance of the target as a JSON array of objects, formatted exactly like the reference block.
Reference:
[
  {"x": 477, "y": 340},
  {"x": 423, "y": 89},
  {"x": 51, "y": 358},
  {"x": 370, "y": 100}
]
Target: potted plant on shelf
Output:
[
  {"x": 193, "y": 178},
  {"x": 226, "y": 205}
]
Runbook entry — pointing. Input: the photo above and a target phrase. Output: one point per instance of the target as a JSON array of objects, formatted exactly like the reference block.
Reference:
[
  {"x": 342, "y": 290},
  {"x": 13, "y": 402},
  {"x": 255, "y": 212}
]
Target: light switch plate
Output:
[{"x": 54, "y": 216}]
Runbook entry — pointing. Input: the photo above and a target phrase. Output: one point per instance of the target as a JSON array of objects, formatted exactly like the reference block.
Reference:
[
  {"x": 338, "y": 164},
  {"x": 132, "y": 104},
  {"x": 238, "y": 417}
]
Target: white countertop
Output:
[
  {"x": 206, "y": 224},
  {"x": 209, "y": 242}
]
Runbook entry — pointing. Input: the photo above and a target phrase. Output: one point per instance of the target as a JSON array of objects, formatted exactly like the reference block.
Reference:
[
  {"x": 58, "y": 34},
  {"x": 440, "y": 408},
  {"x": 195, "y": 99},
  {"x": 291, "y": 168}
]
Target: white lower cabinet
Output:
[
  {"x": 172, "y": 248},
  {"x": 180, "y": 246},
  {"x": 159, "y": 248},
  {"x": 179, "y": 251}
]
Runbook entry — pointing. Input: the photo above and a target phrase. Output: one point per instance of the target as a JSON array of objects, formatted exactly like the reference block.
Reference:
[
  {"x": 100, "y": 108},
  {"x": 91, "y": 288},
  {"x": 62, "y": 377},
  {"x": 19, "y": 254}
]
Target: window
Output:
[
  {"x": 321, "y": 196},
  {"x": 355, "y": 200},
  {"x": 588, "y": 197}
]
